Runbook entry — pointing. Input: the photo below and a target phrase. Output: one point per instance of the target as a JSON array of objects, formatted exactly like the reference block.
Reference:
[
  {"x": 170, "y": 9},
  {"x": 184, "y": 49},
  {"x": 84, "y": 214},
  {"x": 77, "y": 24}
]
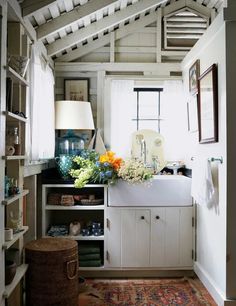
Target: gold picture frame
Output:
[
  {"x": 208, "y": 105},
  {"x": 194, "y": 73},
  {"x": 76, "y": 89}
]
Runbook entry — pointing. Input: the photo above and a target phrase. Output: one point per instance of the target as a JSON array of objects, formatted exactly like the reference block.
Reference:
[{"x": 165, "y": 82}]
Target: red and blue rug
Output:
[{"x": 163, "y": 292}]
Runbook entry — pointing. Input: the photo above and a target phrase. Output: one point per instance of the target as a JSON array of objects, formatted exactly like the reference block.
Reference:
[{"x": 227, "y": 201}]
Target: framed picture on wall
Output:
[
  {"x": 192, "y": 114},
  {"x": 76, "y": 89},
  {"x": 208, "y": 105},
  {"x": 194, "y": 73}
]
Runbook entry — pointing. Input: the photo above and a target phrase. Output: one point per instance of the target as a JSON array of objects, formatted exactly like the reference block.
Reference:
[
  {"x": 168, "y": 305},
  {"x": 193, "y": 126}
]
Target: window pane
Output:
[
  {"x": 151, "y": 125},
  {"x": 148, "y": 105}
]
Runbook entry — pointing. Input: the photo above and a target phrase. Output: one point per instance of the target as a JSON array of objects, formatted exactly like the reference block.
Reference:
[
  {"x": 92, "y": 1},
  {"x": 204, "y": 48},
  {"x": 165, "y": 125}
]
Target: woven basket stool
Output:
[{"x": 52, "y": 276}]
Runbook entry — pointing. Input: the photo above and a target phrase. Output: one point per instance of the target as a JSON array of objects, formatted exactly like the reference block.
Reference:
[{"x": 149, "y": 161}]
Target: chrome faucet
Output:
[
  {"x": 156, "y": 163},
  {"x": 143, "y": 148},
  {"x": 144, "y": 151}
]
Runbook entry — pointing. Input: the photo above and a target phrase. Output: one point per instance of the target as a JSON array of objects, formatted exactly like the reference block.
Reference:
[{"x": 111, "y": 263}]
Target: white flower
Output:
[{"x": 134, "y": 171}]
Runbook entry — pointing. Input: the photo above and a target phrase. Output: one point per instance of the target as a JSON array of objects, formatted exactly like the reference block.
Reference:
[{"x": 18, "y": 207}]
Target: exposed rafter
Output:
[
  {"x": 161, "y": 69},
  {"x": 15, "y": 9},
  {"x": 30, "y": 6},
  {"x": 71, "y": 17},
  {"x": 101, "y": 25},
  {"x": 98, "y": 43},
  {"x": 212, "y": 3}
]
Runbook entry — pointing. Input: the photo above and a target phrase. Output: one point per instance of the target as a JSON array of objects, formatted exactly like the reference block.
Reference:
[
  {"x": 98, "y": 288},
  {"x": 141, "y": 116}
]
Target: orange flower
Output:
[
  {"x": 109, "y": 157},
  {"x": 117, "y": 163}
]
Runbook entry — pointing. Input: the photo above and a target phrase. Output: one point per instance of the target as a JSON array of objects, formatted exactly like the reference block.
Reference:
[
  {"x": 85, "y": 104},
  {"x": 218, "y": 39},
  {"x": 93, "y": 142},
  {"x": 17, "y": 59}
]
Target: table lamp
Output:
[{"x": 72, "y": 115}]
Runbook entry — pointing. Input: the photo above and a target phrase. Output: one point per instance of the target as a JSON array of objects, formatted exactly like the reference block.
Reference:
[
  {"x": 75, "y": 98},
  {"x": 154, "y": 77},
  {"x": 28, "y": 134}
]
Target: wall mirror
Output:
[{"x": 208, "y": 105}]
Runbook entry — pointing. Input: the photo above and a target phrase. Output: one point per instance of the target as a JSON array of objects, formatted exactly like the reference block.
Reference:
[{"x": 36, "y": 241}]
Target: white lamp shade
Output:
[{"x": 74, "y": 115}]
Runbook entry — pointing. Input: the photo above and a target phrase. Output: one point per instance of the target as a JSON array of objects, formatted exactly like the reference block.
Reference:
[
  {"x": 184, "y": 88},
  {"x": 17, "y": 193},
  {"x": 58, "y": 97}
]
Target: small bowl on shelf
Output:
[{"x": 91, "y": 201}]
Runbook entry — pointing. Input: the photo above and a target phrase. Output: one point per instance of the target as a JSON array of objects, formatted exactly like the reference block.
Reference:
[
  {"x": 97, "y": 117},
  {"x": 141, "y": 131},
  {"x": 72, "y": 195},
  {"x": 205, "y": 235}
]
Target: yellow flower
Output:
[
  {"x": 103, "y": 158},
  {"x": 109, "y": 157}
]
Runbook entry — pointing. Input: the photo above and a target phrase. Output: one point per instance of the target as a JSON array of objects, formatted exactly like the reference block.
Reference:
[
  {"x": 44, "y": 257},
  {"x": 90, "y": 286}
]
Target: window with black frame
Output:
[{"x": 147, "y": 114}]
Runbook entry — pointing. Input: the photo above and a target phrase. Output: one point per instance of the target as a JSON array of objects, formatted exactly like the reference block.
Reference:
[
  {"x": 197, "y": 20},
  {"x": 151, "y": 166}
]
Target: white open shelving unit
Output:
[
  {"x": 20, "y": 272},
  {"x": 55, "y": 214},
  {"x": 12, "y": 109}
]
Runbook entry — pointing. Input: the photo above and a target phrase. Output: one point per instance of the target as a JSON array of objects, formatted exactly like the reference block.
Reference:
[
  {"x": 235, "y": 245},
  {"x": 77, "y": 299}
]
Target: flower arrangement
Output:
[
  {"x": 106, "y": 169},
  {"x": 94, "y": 168}
]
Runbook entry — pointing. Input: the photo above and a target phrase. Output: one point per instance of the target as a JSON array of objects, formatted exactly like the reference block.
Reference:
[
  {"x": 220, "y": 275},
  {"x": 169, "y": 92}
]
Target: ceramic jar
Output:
[{"x": 64, "y": 165}]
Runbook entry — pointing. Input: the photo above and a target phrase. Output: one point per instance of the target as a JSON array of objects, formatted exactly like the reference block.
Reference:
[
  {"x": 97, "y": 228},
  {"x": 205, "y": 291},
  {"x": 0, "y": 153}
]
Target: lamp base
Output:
[{"x": 69, "y": 144}]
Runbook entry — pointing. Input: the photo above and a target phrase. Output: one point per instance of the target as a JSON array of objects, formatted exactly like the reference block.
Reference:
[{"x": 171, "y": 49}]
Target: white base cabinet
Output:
[
  {"x": 149, "y": 238},
  {"x": 135, "y": 238}
]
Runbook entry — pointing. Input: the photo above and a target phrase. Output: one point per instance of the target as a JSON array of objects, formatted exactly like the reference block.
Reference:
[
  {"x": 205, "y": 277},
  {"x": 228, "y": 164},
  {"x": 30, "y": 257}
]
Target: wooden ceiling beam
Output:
[
  {"x": 101, "y": 25},
  {"x": 161, "y": 69},
  {"x": 105, "y": 40},
  {"x": 30, "y": 6},
  {"x": 69, "y": 18}
]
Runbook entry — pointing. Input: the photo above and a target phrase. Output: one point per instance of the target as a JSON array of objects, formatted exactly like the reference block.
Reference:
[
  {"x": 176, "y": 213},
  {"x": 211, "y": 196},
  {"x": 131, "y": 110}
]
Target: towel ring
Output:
[{"x": 213, "y": 159}]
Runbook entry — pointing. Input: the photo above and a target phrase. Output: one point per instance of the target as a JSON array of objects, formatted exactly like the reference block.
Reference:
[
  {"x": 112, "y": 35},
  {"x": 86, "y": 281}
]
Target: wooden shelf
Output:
[
  {"x": 73, "y": 186},
  {"x": 15, "y": 118},
  {"x": 13, "y": 198},
  {"x": 75, "y": 207},
  {"x": 84, "y": 238},
  {"x": 20, "y": 272},
  {"x": 14, "y": 157},
  {"x": 6, "y": 245},
  {"x": 16, "y": 77},
  {"x": 91, "y": 268}
]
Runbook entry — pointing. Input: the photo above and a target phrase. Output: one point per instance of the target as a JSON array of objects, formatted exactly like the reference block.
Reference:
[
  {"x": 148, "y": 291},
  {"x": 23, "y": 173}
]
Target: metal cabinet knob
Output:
[
  {"x": 142, "y": 217},
  {"x": 157, "y": 217}
]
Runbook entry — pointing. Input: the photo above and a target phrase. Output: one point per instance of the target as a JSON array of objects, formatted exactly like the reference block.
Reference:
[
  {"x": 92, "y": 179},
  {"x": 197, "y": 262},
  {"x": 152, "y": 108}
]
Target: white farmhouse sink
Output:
[{"x": 165, "y": 190}]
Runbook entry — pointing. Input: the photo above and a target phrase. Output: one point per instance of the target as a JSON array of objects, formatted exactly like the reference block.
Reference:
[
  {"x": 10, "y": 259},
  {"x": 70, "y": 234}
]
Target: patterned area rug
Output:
[{"x": 181, "y": 291}]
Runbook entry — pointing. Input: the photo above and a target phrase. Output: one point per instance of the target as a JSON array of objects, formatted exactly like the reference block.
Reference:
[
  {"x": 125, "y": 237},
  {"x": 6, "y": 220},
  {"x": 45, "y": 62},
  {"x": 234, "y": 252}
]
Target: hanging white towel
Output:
[{"x": 202, "y": 190}]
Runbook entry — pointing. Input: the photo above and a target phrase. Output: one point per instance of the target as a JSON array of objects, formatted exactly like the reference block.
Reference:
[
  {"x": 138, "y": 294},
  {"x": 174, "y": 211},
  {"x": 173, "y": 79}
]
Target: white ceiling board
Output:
[
  {"x": 62, "y": 34},
  {"x": 123, "y": 4},
  {"x": 54, "y": 11},
  {"x": 101, "y": 25},
  {"x": 72, "y": 17},
  {"x": 122, "y": 32},
  {"x": 61, "y": 6},
  {"x": 212, "y": 3},
  {"x": 31, "y": 6},
  {"x": 69, "y": 5}
]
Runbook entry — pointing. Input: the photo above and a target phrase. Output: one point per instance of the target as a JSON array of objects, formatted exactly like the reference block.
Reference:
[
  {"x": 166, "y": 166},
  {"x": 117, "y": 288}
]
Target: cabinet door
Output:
[
  {"x": 178, "y": 241},
  {"x": 158, "y": 226},
  {"x": 113, "y": 238},
  {"x": 171, "y": 237},
  {"x": 135, "y": 238},
  {"x": 186, "y": 236}
]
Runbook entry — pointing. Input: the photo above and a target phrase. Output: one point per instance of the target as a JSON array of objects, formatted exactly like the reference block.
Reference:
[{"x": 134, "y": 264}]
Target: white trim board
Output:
[
  {"x": 210, "y": 285},
  {"x": 157, "y": 68}
]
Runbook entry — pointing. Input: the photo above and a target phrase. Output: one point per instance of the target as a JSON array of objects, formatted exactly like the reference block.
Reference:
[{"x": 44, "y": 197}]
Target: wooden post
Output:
[
  {"x": 159, "y": 35},
  {"x": 3, "y": 43}
]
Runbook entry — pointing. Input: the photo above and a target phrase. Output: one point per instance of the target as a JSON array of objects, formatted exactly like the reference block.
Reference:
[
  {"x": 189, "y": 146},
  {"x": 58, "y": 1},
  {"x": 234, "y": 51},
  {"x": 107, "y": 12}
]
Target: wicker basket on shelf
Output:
[
  {"x": 91, "y": 201},
  {"x": 67, "y": 200},
  {"x": 54, "y": 199}
]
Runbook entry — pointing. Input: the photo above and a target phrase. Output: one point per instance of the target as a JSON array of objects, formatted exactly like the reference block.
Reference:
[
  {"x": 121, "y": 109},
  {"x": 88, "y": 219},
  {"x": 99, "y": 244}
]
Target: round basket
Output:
[
  {"x": 52, "y": 276},
  {"x": 91, "y": 202}
]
